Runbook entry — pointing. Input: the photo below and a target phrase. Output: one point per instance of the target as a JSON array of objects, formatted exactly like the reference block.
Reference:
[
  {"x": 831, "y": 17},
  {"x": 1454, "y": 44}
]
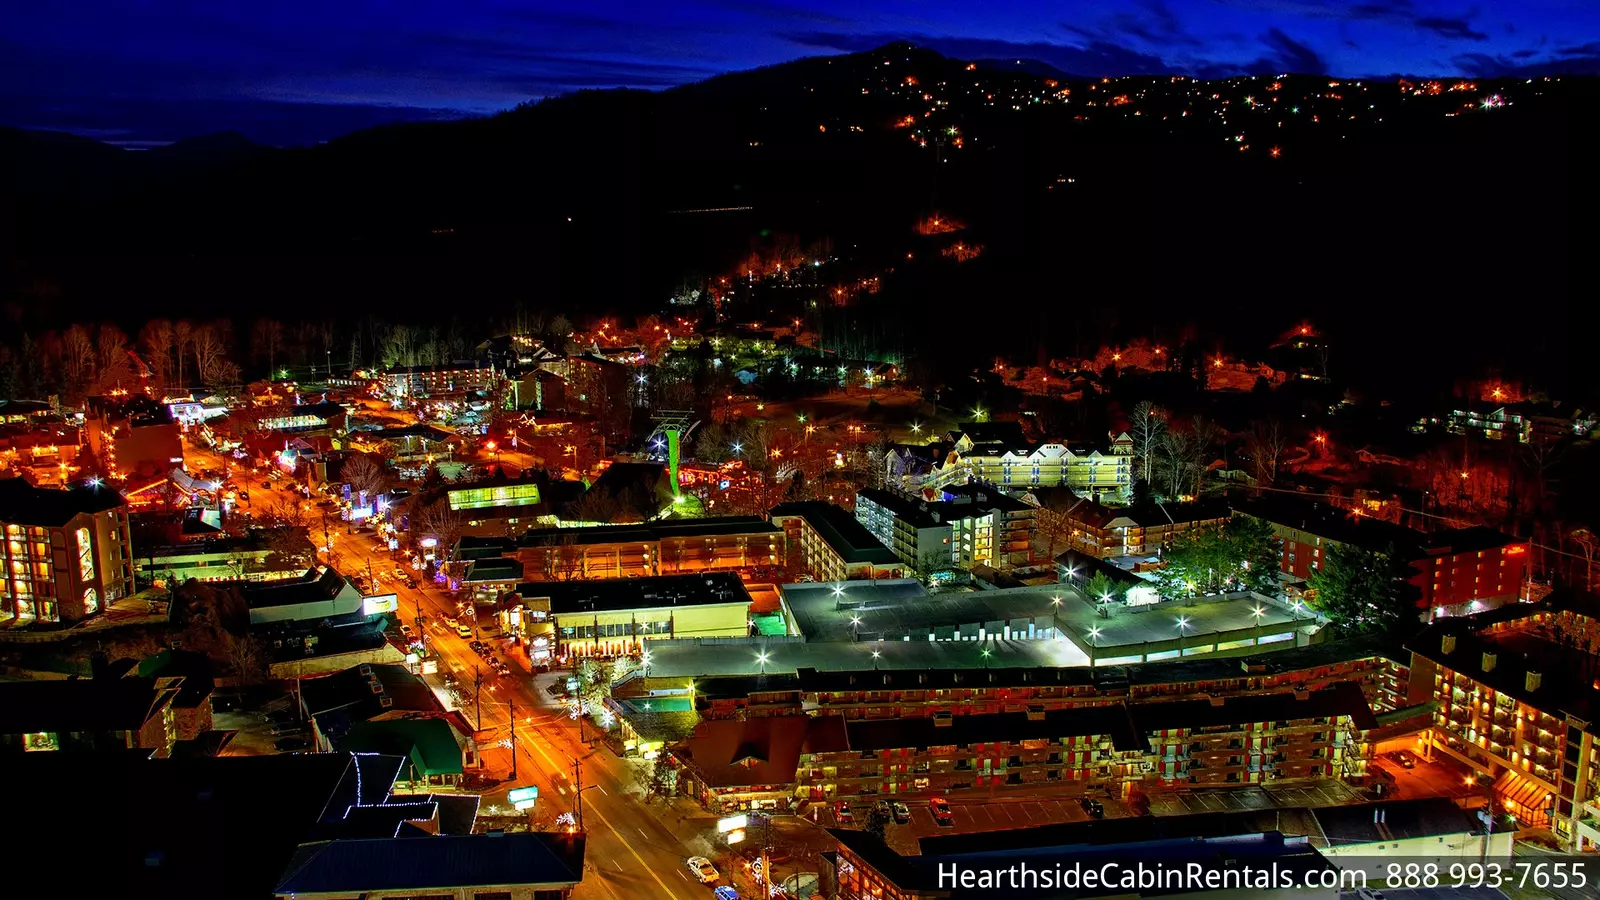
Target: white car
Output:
[{"x": 702, "y": 869}]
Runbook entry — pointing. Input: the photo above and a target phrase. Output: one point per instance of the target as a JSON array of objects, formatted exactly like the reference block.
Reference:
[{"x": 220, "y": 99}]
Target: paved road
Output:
[{"x": 633, "y": 850}]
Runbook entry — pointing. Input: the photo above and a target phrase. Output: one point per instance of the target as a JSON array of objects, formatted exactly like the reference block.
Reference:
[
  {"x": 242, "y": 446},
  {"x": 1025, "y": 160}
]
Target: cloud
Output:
[
  {"x": 1456, "y": 29},
  {"x": 1153, "y": 22},
  {"x": 1292, "y": 55},
  {"x": 1093, "y": 59}
]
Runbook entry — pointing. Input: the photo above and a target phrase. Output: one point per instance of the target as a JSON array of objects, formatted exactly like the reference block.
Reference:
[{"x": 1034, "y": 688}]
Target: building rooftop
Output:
[
  {"x": 1151, "y": 515},
  {"x": 429, "y": 743},
  {"x": 1521, "y": 641},
  {"x": 1340, "y": 525},
  {"x": 96, "y": 704},
  {"x": 197, "y": 827},
  {"x": 443, "y": 861},
  {"x": 761, "y": 750},
  {"x": 1394, "y": 820},
  {"x": 494, "y": 569},
  {"x": 1106, "y": 679},
  {"x": 925, "y": 731},
  {"x": 321, "y": 588},
  {"x": 23, "y": 504},
  {"x": 576, "y": 597},
  {"x": 1259, "y": 850},
  {"x": 960, "y": 502},
  {"x": 356, "y": 693},
  {"x": 665, "y": 529},
  {"x": 848, "y": 537}
]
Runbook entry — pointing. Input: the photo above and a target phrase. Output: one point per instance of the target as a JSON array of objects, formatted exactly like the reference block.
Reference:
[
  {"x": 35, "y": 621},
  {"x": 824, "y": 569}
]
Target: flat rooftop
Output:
[
  {"x": 569, "y": 597},
  {"x": 903, "y": 607},
  {"x": 848, "y": 537}
]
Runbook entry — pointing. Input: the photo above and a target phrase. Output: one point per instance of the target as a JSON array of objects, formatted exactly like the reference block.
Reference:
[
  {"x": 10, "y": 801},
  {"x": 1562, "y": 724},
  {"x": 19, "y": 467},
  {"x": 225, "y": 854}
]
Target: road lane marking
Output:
[
  {"x": 642, "y": 863},
  {"x": 601, "y": 789}
]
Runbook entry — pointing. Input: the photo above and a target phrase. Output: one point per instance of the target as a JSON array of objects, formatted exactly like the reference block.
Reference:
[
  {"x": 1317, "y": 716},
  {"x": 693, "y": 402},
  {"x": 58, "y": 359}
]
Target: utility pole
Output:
[
  {"x": 513, "y": 703},
  {"x": 577, "y": 778},
  {"x": 477, "y": 695}
]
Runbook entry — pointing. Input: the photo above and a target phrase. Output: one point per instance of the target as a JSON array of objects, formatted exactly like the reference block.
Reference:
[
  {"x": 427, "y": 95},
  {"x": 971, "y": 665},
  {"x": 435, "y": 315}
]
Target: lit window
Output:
[{"x": 85, "y": 555}]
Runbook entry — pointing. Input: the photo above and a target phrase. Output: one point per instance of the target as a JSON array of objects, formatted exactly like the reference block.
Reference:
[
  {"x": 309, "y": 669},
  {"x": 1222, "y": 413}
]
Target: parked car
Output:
[
  {"x": 291, "y": 744},
  {"x": 407, "y": 632},
  {"x": 1404, "y": 758},
  {"x": 940, "y": 808},
  {"x": 725, "y": 892},
  {"x": 284, "y": 729},
  {"x": 844, "y": 813},
  {"x": 477, "y": 646},
  {"x": 702, "y": 869},
  {"x": 452, "y": 622},
  {"x": 902, "y": 814},
  {"x": 464, "y": 631},
  {"x": 1093, "y": 807}
]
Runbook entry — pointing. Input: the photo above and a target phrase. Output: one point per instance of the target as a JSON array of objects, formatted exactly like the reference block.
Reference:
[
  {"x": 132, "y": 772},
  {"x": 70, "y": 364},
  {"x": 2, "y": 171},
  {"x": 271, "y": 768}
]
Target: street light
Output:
[
  {"x": 1056, "y": 600},
  {"x": 761, "y": 659}
]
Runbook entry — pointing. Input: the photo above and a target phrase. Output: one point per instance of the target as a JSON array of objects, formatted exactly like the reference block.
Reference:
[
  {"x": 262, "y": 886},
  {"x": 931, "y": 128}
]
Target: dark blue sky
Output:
[{"x": 290, "y": 71}]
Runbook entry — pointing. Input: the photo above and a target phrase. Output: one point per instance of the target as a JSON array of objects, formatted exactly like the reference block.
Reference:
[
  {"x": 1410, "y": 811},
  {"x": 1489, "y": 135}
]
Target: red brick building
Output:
[{"x": 1458, "y": 571}]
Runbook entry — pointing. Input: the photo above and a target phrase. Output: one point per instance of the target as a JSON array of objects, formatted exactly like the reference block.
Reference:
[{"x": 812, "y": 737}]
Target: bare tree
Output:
[
  {"x": 1147, "y": 426},
  {"x": 366, "y": 474},
  {"x": 156, "y": 339},
  {"x": 567, "y": 559},
  {"x": 266, "y": 338},
  {"x": 247, "y": 657},
  {"x": 1206, "y": 435},
  {"x": 210, "y": 356},
  {"x": 1176, "y": 459},
  {"x": 112, "y": 363},
  {"x": 77, "y": 359},
  {"x": 595, "y": 506},
  {"x": 438, "y": 521},
  {"x": 1265, "y": 444},
  {"x": 182, "y": 335}
]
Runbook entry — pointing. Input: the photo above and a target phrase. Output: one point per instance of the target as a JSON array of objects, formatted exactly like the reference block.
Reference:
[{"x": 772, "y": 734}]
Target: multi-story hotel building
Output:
[
  {"x": 670, "y": 547},
  {"x": 418, "y": 382},
  {"x": 1109, "y": 532},
  {"x": 830, "y": 545},
  {"x": 616, "y": 617},
  {"x": 1381, "y": 671},
  {"x": 1295, "y": 736},
  {"x": 67, "y": 553},
  {"x": 1519, "y": 704},
  {"x": 1458, "y": 571},
  {"x": 972, "y": 525},
  {"x": 997, "y": 453}
]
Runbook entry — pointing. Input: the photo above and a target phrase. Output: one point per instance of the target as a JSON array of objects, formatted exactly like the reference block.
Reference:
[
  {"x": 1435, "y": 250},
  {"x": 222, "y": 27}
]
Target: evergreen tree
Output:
[{"x": 1363, "y": 591}]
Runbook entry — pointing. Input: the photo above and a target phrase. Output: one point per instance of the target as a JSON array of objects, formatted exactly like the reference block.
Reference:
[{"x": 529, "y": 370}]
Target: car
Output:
[
  {"x": 475, "y": 645},
  {"x": 409, "y": 581},
  {"x": 1404, "y": 758},
  {"x": 1094, "y": 808},
  {"x": 940, "y": 808},
  {"x": 463, "y": 630},
  {"x": 1368, "y": 894},
  {"x": 284, "y": 729},
  {"x": 902, "y": 813},
  {"x": 291, "y": 744},
  {"x": 407, "y": 632},
  {"x": 844, "y": 814},
  {"x": 451, "y": 622},
  {"x": 725, "y": 892},
  {"x": 702, "y": 869}
]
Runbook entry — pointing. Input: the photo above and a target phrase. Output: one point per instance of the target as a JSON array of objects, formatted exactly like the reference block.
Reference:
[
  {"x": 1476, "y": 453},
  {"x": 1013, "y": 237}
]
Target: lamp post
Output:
[
  {"x": 1094, "y": 644},
  {"x": 1183, "y": 623}
]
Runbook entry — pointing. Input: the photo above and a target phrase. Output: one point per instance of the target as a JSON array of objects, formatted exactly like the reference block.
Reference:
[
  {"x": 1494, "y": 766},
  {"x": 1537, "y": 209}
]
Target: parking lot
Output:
[
  {"x": 1327, "y": 793},
  {"x": 974, "y": 815}
]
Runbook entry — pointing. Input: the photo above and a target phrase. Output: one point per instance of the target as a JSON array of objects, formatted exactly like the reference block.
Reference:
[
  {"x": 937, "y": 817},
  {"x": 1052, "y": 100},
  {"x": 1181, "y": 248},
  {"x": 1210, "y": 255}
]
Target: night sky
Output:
[{"x": 294, "y": 71}]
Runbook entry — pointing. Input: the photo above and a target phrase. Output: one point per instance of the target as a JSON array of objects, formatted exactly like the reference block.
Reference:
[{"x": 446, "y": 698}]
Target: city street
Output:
[{"x": 633, "y": 850}]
